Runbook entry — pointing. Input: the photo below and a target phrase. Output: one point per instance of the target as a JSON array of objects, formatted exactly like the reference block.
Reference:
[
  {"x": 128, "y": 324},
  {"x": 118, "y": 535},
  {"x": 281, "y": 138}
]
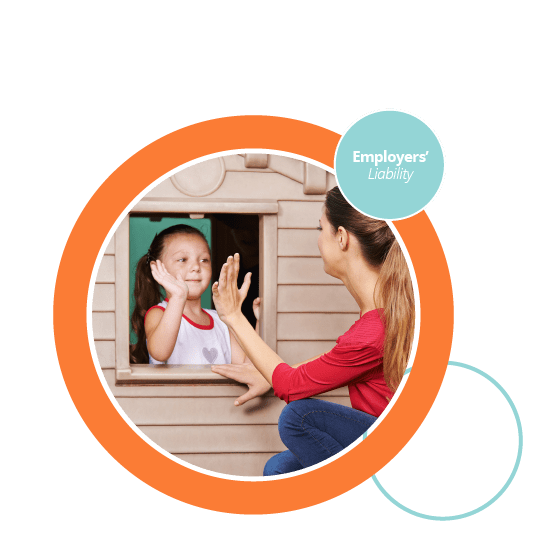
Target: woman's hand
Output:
[
  {"x": 174, "y": 286},
  {"x": 227, "y": 297},
  {"x": 247, "y": 374},
  {"x": 257, "y": 307}
]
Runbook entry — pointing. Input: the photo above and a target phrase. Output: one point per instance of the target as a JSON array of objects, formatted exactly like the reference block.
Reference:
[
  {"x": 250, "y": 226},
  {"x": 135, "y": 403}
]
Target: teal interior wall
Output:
[{"x": 142, "y": 232}]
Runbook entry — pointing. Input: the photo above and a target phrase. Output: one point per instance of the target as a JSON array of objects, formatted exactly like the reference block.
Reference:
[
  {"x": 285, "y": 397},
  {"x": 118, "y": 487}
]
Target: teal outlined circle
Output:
[{"x": 505, "y": 486}]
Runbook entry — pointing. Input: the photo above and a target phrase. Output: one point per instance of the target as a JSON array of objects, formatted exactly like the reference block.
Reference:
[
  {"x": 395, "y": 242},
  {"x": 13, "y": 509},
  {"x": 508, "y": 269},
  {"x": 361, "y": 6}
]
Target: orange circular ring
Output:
[{"x": 138, "y": 457}]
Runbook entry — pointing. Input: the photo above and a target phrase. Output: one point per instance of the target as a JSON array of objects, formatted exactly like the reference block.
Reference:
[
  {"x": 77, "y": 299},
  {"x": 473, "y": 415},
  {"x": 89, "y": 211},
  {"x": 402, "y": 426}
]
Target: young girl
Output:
[
  {"x": 178, "y": 330},
  {"x": 370, "y": 358}
]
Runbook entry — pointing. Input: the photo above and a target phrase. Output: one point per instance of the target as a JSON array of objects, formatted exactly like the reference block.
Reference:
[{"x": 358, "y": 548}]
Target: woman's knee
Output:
[{"x": 292, "y": 416}]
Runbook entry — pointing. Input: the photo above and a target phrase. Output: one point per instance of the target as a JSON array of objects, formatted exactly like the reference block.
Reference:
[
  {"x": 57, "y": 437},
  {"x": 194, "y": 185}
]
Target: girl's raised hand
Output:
[
  {"x": 227, "y": 297},
  {"x": 175, "y": 287}
]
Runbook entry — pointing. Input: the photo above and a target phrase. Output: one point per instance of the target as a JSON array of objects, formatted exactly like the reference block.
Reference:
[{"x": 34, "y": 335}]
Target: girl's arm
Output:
[{"x": 162, "y": 328}]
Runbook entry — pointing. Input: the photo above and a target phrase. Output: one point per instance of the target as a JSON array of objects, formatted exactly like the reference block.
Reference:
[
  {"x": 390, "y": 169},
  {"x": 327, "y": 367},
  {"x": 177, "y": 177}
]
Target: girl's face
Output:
[
  {"x": 188, "y": 257},
  {"x": 329, "y": 248}
]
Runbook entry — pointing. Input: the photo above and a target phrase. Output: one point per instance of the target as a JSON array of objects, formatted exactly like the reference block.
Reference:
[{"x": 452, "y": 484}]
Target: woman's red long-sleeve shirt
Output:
[{"x": 356, "y": 361}]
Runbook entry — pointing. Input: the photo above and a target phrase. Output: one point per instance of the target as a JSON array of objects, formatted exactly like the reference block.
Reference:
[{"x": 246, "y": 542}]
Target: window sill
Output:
[{"x": 185, "y": 374}]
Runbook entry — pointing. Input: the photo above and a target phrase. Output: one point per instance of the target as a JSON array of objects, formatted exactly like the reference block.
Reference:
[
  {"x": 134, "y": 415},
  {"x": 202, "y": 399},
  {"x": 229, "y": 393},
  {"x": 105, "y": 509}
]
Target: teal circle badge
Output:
[{"x": 389, "y": 165}]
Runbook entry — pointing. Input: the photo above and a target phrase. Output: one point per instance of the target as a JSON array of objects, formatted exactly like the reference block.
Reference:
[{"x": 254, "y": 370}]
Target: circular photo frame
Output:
[{"x": 264, "y": 496}]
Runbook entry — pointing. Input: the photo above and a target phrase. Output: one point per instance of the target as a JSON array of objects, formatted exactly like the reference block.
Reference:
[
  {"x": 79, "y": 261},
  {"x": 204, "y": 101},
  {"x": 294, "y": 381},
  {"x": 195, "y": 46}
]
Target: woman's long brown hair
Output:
[
  {"x": 147, "y": 292},
  {"x": 393, "y": 291}
]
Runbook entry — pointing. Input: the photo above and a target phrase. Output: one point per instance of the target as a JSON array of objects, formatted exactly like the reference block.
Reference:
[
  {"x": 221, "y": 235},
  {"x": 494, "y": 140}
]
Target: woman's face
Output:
[{"x": 329, "y": 247}]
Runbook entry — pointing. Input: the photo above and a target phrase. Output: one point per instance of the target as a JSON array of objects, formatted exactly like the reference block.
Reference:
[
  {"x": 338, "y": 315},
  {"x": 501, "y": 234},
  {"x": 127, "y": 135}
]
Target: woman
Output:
[{"x": 370, "y": 357}]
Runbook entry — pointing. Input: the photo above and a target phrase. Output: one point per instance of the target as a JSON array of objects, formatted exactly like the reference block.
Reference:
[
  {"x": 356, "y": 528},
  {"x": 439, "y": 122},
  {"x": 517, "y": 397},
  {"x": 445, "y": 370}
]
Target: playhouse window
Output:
[
  {"x": 226, "y": 234},
  {"x": 248, "y": 233}
]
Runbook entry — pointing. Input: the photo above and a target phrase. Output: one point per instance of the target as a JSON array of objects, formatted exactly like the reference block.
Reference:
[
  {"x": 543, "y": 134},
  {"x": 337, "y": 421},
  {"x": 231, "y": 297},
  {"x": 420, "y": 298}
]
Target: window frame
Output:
[{"x": 127, "y": 373}]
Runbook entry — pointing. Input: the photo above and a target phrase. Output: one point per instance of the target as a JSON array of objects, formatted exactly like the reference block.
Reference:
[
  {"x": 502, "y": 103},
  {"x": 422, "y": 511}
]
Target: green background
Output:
[{"x": 86, "y": 87}]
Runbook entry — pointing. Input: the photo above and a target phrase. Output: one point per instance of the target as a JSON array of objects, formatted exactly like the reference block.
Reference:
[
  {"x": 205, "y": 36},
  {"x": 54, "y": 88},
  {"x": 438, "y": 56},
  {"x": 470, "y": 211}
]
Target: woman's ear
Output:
[{"x": 342, "y": 238}]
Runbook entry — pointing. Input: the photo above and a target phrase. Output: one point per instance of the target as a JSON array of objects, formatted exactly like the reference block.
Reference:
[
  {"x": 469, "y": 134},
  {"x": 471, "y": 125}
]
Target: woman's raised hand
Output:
[
  {"x": 174, "y": 286},
  {"x": 227, "y": 297}
]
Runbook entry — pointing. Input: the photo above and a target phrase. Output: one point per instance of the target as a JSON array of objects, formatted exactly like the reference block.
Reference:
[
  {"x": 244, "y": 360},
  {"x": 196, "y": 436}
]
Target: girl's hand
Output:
[
  {"x": 247, "y": 374},
  {"x": 257, "y": 307},
  {"x": 227, "y": 297},
  {"x": 175, "y": 287}
]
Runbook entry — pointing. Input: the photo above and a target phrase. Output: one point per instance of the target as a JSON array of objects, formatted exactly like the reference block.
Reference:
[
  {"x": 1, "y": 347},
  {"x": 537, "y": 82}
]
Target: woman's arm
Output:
[
  {"x": 262, "y": 357},
  {"x": 306, "y": 361},
  {"x": 238, "y": 356},
  {"x": 241, "y": 369},
  {"x": 228, "y": 299},
  {"x": 344, "y": 364},
  {"x": 249, "y": 375}
]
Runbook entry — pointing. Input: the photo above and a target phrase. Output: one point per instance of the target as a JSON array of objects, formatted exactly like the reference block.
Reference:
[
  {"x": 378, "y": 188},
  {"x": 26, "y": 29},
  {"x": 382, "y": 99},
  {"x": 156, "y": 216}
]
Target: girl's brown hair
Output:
[
  {"x": 147, "y": 292},
  {"x": 394, "y": 286}
]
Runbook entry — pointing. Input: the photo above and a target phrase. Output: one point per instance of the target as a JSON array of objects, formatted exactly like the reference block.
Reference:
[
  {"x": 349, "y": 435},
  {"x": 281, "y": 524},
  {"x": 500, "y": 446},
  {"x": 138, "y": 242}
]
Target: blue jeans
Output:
[{"x": 314, "y": 430}]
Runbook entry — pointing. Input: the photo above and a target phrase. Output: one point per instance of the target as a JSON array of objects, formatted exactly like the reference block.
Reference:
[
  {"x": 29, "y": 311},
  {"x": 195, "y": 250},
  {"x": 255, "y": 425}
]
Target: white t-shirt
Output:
[{"x": 199, "y": 344}]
